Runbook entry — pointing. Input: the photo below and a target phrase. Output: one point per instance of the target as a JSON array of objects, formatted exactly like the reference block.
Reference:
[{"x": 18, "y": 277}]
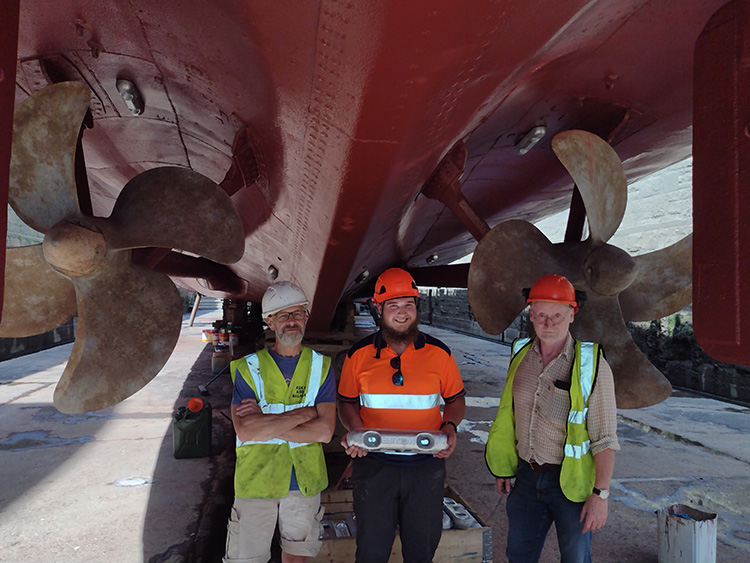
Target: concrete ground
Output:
[
  {"x": 689, "y": 449},
  {"x": 104, "y": 486}
]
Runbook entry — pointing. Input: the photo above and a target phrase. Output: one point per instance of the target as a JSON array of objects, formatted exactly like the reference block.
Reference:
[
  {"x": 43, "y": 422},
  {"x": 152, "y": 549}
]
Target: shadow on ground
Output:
[
  {"x": 24, "y": 455},
  {"x": 207, "y": 529}
]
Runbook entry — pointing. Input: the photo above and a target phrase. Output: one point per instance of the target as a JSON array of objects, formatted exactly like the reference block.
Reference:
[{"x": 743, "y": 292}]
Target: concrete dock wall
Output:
[
  {"x": 671, "y": 346},
  {"x": 15, "y": 347},
  {"x": 449, "y": 308}
]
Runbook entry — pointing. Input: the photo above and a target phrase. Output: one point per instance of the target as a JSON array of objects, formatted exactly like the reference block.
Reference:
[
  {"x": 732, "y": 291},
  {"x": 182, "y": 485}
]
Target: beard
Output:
[
  {"x": 290, "y": 339},
  {"x": 403, "y": 336}
]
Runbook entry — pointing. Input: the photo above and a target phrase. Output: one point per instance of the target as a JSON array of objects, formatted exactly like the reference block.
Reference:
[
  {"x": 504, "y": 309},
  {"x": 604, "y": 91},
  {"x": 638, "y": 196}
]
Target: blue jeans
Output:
[{"x": 534, "y": 503}]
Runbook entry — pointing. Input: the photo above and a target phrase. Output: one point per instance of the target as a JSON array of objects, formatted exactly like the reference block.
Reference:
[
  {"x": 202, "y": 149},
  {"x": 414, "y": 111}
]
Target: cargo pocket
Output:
[
  {"x": 312, "y": 543},
  {"x": 233, "y": 535},
  {"x": 317, "y": 530}
]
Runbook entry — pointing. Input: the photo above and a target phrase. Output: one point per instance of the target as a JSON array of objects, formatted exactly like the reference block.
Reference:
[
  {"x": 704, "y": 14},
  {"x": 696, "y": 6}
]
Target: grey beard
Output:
[
  {"x": 401, "y": 337},
  {"x": 290, "y": 339}
]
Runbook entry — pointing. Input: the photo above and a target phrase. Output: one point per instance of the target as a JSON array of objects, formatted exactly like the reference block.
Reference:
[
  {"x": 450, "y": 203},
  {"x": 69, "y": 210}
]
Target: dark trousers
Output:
[
  {"x": 534, "y": 503},
  {"x": 386, "y": 496}
]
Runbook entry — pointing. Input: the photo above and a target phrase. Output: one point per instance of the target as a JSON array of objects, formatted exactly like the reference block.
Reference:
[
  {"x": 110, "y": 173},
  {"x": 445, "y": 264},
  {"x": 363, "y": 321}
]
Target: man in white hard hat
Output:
[{"x": 283, "y": 408}]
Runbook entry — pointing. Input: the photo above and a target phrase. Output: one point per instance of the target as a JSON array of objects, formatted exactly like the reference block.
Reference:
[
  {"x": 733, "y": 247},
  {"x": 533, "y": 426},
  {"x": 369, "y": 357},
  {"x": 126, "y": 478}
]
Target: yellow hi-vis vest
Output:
[
  {"x": 578, "y": 471},
  {"x": 264, "y": 469}
]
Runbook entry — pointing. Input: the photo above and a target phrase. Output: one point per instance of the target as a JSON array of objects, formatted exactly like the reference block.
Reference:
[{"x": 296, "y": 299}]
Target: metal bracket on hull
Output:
[{"x": 445, "y": 187}]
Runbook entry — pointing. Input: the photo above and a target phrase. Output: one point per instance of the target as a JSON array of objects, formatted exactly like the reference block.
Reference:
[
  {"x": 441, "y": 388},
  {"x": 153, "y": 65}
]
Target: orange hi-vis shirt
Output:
[{"x": 429, "y": 372}]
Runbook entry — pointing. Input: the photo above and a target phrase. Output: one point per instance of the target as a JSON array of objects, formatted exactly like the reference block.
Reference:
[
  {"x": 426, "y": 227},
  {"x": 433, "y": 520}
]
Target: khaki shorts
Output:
[{"x": 253, "y": 522}]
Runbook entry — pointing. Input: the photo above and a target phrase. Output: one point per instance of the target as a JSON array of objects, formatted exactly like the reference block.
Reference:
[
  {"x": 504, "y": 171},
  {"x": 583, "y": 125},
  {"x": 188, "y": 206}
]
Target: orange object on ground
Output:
[{"x": 195, "y": 404}]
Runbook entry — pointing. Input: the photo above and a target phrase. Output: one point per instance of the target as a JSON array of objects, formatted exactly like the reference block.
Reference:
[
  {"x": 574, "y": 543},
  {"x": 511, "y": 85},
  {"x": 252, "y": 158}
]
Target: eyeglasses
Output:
[
  {"x": 296, "y": 315},
  {"x": 398, "y": 377},
  {"x": 542, "y": 319}
]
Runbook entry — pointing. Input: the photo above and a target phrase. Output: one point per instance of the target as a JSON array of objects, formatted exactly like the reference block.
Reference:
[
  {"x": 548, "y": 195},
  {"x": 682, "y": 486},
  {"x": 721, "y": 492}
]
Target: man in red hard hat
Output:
[
  {"x": 555, "y": 431},
  {"x": 393, "y": 379}
]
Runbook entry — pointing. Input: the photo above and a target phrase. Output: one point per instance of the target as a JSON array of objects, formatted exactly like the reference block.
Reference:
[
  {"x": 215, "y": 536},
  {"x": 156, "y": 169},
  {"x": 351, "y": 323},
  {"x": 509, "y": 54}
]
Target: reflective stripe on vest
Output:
[
  {"x": 578, "y": 468},
  {"x": 411, "y": 402},
  {"x": 519, "y": 343},
  {"x": 577, "y": 451},
  {"x": 587, "y": 381},
  {"x": 587, "y": 370},
  {"x": 313, "y": 386}
]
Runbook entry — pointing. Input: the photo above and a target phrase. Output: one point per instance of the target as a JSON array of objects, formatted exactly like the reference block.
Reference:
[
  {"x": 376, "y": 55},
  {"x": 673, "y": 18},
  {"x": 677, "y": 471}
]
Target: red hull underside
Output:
[{"x": 337, "y": 113}]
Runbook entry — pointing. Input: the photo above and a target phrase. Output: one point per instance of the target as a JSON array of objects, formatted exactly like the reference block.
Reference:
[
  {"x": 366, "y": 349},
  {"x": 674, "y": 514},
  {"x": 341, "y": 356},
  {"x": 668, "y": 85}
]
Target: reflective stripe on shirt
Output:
[{"x": 388, "y": 401}]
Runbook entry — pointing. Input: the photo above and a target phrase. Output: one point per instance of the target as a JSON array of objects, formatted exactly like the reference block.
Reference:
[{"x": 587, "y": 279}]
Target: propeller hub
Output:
[
  {"x": 609, "y": 270},
  {"x": 75, "y": 249}
]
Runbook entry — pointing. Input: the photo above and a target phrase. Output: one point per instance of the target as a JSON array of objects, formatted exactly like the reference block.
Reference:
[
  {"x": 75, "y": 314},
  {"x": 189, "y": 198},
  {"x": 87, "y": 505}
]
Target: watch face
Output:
[{"x": 603, "y": 493}]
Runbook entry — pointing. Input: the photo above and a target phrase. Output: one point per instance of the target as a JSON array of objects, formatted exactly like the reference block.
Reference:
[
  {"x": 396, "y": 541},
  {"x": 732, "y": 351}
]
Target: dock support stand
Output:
[{"x": 195, "y": 308}]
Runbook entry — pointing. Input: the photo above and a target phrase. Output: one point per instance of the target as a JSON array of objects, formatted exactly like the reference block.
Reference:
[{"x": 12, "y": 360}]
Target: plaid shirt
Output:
[{"x": 541, "y": 409}]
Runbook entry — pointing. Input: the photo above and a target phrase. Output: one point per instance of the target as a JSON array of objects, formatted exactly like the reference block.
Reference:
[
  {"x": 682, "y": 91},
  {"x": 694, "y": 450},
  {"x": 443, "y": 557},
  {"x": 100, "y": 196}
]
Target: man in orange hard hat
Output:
[
  {"x": 393, "y": 379},
  {"x": 555, "y": 431}
]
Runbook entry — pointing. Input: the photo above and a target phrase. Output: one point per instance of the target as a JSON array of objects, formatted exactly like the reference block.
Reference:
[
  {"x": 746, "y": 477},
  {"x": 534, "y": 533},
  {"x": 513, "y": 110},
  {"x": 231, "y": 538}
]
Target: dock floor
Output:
[{"x": 104, "y": 486}]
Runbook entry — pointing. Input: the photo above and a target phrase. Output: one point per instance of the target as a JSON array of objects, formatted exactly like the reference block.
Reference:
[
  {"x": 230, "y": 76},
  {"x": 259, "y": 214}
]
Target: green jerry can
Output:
[{"x": 191, "y": 430}]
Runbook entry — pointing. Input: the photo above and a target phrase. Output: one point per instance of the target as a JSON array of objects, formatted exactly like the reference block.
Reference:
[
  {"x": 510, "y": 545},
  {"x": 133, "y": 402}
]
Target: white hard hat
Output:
[{"x": 282, "y": 295}]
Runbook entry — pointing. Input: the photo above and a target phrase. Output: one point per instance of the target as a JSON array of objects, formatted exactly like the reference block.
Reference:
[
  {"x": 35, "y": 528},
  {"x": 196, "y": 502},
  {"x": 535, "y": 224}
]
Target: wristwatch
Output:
[{"x": 603, "y": 493}]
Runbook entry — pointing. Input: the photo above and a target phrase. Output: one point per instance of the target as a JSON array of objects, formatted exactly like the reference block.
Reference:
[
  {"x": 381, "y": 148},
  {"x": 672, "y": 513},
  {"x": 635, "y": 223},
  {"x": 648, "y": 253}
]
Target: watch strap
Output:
[
  {"x": 603, "y": 493},
  {"x": 453, "y": 424}
]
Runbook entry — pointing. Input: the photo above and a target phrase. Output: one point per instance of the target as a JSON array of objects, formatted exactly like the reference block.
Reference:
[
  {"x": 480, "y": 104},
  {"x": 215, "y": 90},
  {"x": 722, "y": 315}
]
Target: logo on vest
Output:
[{"x": 299, "y": 392}]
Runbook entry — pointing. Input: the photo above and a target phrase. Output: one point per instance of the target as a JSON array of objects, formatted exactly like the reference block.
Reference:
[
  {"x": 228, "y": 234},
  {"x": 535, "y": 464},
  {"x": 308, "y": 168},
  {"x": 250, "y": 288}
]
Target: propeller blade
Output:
[
  {"x": 663, "y": 285},
  {"x": 637, "y": 382},
  {"x": 37, "y": 298},
  {"x": 129, "y": 322},
  {"x": 513, "y": 255},
  {"x": 172, "y": 207},
  {"x": 42, "y": 168},
  {"x": 598, "y": 173}
]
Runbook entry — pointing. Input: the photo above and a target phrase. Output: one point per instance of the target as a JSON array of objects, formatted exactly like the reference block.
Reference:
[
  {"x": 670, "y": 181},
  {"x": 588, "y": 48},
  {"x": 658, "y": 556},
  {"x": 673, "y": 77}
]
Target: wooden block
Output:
[{"x": 456, "y": 546}]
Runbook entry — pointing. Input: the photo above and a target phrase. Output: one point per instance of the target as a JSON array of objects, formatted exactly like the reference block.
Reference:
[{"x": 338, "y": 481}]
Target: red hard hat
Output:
[
  {"x": 394, "y": 283},
  {"x": 555, "y": 289}
]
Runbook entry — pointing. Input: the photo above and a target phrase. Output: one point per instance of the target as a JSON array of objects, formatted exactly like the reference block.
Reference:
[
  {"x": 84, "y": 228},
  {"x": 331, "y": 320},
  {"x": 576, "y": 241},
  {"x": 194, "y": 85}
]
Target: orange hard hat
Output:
[
  {"x": 393, "y": 283},
  {"x": 554, "y": 289}
]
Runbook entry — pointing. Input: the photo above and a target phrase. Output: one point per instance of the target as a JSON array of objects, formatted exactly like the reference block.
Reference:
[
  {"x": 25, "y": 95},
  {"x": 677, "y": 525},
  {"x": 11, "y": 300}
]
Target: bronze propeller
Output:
[
  {"x": 620, "y": 288},
  {"x": 129, "y": 316}
]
